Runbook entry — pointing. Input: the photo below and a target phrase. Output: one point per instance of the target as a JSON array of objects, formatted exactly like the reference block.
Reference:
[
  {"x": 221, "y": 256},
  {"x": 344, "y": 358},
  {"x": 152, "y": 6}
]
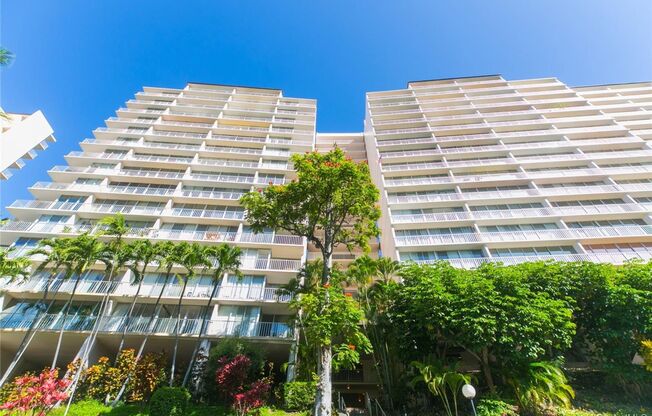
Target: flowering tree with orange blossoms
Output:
[{"x": 333, "y": 202}]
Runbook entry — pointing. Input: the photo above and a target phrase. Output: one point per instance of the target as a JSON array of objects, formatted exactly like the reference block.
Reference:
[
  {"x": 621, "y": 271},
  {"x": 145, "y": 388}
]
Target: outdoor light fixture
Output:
[{"x": 468, "y": 391}]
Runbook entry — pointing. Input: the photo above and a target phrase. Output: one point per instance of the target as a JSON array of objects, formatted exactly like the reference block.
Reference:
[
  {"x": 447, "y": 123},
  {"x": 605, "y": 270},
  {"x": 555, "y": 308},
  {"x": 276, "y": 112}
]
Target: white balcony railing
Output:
[{"x": 530, "y": 235}]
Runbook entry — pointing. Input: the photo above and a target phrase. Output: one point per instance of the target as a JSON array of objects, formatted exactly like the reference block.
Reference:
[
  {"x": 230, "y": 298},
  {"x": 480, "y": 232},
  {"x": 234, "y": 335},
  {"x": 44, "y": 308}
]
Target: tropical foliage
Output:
[
  {"x": 333, "y": 202},
  {"x": 443, "y": 383},
  {"x": 36, "y": 395}
]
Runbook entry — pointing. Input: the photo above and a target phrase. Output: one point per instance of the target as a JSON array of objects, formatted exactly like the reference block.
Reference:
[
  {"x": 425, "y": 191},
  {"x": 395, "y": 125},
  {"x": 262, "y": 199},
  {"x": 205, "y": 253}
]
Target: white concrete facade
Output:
[
  {"x": 21, "y": 135},
  {"x": 485, "y": 169},
  {"x": 174, "y": 162}
]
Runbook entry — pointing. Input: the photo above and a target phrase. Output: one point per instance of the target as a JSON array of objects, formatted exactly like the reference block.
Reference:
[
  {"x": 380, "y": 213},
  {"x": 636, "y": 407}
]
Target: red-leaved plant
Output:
[
  {"x": 252, "y": 398},
  {"x": 36, "y": 395},
  {"x": 231, "y": 380},
  {"x": 231, "y": 375}
]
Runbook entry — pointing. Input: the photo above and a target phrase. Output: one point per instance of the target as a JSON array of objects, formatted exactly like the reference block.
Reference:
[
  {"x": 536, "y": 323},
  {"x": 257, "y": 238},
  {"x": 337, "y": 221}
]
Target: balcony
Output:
[
  {"x": 204, "y": 213},
  {"x": 272, "y": 264},
  {"x": 224, "y": 292},
  {"x": 412, "y": 166},
  {"x": 161, "y": 174},
  {"x": 530, "y": 235},
  {"x": 182, "y": 235},
  {"x": 192, "y": 193},
  {"x": 142, "y": 325},
  {"x": 84, "y": 286},
  {"x": 46, "y": 205},
  {"x": 470, "y": 263},
  {"x": 221, "y": 177},
  {"x": 271, "y": 238}
]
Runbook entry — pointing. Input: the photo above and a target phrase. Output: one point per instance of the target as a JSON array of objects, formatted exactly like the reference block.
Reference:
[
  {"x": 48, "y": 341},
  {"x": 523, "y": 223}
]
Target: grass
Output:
[{"x": 94, "y": 408}]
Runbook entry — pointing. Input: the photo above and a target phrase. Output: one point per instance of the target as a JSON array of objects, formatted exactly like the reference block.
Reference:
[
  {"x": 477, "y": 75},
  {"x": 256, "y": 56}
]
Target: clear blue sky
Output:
[{"x": 80, "y": 60}]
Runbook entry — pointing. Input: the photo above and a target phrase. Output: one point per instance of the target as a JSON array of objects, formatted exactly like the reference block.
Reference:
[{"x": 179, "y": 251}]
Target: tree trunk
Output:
[
  {"x": 150, "y": 328},
  {"x": 202, "y": 328},
  {"x": 65, "y": 317},
  {"x": 176, "y": 332},
  {"x": 128, "y": 320},
  {"x": 31, "y": 331},
  {"x": 88, "y": 347},
  {"x": 324, "y": 399},
  {"x": 484, "y": 362}
]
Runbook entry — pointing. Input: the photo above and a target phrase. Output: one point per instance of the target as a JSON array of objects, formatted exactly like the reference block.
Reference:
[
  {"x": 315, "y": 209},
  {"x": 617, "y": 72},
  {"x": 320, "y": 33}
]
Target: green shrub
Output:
[
  {"x": 169, "y": 401},
  {"x": 299, "y": 395},
  {"x": 494, "y": 407}
]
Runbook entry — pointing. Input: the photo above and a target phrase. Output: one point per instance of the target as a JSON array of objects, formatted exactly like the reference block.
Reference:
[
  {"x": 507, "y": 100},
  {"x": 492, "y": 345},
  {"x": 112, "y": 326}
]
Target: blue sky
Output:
[{"x": 79, "y": 60}]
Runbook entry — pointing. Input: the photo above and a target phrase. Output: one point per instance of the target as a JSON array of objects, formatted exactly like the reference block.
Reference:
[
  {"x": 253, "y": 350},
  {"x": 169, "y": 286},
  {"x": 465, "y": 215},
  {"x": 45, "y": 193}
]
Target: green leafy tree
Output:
[
  {"x": 333, "y": 202},
  {"x": 488, "y": 313}
]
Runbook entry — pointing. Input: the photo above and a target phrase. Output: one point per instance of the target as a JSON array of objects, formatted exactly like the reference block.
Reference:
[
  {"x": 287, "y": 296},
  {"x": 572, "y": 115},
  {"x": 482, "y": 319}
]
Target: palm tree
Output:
[
  {"x": 167, "y": 255},
  {"x": 115, "y": 255},
  {"x": 115, "y": 226},
  {"x": 387, "y": 268},
  {"x": 143, "y": 252},
  {"x": 191, "y": 257},
  {"x": 84, "y": 251},
  {"x": 373, "y": 278},
  {"x": 5, "y": 59},
  {"x": 5, "y": 56},
  {"x": 225, "y": 259},
  {"x": 13, "y": 268},
  {"x": 56, "y": 257}
]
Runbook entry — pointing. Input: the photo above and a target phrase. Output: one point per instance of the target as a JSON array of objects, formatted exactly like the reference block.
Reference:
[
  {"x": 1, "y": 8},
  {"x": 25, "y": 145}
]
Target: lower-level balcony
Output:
[
  {"x": 530, "y": 235},
  {"x": 145, "y": 325},
  {"x": 470, "y": 263}
]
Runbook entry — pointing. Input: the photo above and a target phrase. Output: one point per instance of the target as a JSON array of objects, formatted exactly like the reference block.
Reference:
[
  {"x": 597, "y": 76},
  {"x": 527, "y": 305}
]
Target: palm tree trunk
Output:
[
  {"x": 128, "y": 320},
  {"x": 150, "y": 329},
  {"x": 31, "y": 331},
  {"x": 66, "y": 307},
  {"x": 88, "y": 348},
  {"x": 202, "y": 328},
  {"x": 176, "y": 331}
]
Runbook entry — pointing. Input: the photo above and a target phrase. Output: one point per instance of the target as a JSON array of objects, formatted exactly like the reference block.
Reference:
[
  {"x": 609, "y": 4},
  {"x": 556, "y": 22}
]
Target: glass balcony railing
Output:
[{"x": 144, "y": 325}]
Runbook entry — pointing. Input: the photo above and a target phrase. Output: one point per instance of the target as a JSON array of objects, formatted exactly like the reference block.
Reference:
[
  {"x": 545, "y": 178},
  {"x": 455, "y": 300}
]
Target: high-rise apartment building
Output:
[
  {"x": 21, "y": 135},
  {"x": 470, "y": 170},
  {"x": 174, "y": 163},
  {"x": 484, "y": 169}
]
